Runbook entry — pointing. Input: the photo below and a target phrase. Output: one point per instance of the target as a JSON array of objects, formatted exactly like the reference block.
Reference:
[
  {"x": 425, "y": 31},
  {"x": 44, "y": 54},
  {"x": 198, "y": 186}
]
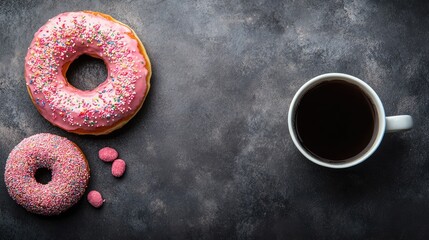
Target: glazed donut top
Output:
[{"x": 60, "y": 41}]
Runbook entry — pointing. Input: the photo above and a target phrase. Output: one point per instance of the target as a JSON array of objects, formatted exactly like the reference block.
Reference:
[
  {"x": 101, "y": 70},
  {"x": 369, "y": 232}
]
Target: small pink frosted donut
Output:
[
  {"x": 118, "y": 167},
  {"x": 95, "y": 199},
  {"x": 70, "y": 174},
  {"x": 107, "y": 154}
]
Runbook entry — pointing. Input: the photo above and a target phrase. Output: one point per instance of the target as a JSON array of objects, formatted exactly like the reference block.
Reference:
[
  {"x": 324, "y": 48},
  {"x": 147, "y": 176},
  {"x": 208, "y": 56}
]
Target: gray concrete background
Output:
[{"x": 209, "y": 155}]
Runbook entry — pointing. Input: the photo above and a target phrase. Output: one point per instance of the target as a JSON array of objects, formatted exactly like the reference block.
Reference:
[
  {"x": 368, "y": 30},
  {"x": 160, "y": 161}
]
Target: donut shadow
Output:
[
  {"x": 81, "y": 210},
  {"x": 74, "y": 211},
  {"x": 137, "y": 120}
]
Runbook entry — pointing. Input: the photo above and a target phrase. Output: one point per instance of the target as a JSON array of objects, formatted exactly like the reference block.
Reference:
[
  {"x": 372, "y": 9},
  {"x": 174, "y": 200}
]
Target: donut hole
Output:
[
  {"x": 86, "y": 72},
  {"x": 43, "y": 175}
]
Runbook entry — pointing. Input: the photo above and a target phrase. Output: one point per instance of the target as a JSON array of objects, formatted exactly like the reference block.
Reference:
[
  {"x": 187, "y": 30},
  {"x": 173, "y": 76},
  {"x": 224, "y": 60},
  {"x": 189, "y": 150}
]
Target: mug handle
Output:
[{"x": 399, "y": 123}]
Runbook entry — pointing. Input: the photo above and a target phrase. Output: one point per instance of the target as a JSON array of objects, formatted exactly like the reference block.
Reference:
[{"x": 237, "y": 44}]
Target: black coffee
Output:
[{"x": 335, "y": 120}]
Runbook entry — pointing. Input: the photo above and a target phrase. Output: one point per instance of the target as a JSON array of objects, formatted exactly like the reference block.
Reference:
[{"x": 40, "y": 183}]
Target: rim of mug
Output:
[{"x": 375, "y": 100}]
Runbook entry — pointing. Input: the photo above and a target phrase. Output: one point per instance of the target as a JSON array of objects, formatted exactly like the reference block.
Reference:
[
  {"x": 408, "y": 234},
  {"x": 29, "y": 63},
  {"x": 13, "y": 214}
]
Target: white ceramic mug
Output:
[{"x": 385, "y": 124}]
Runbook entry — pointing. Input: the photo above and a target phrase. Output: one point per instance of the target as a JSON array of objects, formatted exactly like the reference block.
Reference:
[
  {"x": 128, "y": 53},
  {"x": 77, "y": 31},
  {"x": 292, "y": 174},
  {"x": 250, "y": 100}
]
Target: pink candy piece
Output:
[
  {"x": 107, "y": 154},
  {"x": 118, "y": 167},
  {"x": 95, "y": 199}
]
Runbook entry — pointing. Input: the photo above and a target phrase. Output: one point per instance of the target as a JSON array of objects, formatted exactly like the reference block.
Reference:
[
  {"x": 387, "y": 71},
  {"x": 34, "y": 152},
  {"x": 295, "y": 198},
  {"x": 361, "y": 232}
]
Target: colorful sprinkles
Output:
[
  {"x": 70, "y": 174},
  {"x": 60, "y": 41}
]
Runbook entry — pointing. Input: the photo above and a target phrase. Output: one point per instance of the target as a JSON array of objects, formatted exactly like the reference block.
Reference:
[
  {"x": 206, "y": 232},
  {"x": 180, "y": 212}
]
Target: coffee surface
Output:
[{"x": 335, "y": 120}]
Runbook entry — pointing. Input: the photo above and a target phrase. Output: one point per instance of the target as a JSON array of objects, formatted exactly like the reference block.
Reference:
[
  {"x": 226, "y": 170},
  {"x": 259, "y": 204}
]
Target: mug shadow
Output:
[{"x": 377, "y": 174}]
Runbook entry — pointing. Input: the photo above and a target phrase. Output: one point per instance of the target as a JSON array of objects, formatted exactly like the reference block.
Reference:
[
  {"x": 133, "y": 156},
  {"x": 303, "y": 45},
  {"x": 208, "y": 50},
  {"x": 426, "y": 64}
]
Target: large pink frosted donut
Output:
[
  {"x": 70, "y": 174},
  {"x": 110, "y": 105}
]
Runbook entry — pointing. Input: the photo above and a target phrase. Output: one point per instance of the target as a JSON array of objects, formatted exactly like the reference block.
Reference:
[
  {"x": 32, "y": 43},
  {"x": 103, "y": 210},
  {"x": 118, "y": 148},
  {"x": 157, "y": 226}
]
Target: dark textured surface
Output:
[{"x": 209, "y": 155}]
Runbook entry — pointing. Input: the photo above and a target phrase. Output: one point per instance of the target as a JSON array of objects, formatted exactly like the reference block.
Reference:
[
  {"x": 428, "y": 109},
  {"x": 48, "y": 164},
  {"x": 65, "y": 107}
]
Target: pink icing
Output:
[
  {"x": 118, "y": 168},
  {"x": 70, "y": 174},
  {"x": 107, "y": 154},
  {"x": 63, "y": 39},
  {"x": 95, "y": 199}
]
